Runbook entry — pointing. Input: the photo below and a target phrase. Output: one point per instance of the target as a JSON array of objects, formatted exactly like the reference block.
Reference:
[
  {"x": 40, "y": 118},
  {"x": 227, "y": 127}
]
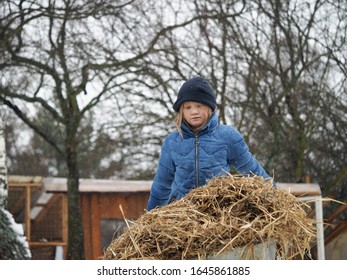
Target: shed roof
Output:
[
  {"x": 54, "y": 184},
  {"x": 98, "y": 185}
]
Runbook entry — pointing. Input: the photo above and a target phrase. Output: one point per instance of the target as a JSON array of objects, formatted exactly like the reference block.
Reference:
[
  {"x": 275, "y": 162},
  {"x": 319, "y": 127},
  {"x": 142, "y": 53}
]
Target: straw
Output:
[{"x": 227, "y": 213}]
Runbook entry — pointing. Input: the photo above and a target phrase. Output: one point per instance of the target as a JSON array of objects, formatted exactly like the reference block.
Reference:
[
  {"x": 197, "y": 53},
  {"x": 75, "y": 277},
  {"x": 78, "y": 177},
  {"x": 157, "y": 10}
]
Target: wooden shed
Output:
[
  {"x": 104, "y": 205},
  {"x": 42, "y": 215},
  {"x": 40, "y": 204}
]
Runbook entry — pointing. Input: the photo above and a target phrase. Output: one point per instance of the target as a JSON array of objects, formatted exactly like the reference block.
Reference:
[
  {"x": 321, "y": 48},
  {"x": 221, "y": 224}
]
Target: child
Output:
[{"x": 200, "y": 149}]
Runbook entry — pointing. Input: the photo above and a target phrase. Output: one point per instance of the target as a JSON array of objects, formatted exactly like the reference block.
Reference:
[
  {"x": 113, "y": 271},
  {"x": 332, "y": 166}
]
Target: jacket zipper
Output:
[{"x": 196, "y": 161}]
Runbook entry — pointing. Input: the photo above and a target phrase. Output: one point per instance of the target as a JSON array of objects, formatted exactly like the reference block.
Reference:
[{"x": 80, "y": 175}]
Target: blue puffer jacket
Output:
[{"x": 189, "y": 162}]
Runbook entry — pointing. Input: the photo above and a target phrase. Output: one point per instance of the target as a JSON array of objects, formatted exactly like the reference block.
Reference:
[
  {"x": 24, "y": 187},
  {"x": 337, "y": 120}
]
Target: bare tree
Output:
[
  {"x": 274, "y": 66},
  {"x": 278, "y": 68},
  {"x": 284, "y": 73},
  {"x": 334, "y": 38},
  {"x": 64, "y": 57}
]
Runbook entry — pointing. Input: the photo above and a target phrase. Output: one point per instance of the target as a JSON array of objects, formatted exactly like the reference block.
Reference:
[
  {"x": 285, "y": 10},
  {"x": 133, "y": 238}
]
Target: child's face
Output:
[{"x": 195, "y": 114}]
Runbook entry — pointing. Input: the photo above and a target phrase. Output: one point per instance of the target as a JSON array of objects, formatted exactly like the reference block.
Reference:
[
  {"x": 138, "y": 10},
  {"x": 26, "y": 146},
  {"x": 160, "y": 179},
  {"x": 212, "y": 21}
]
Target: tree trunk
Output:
[
  {"x": 75, "y": 225},
  {"x": 76, "y": 236}
]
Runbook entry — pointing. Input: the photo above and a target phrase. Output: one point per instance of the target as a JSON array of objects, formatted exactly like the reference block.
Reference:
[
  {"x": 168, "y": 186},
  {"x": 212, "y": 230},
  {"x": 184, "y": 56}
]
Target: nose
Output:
[{"x": 195, "y": 110}]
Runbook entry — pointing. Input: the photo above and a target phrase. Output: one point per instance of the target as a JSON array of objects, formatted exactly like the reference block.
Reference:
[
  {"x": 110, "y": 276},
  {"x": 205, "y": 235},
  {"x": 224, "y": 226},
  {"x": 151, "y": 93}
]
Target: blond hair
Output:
[{"x": 179, "y": 119}]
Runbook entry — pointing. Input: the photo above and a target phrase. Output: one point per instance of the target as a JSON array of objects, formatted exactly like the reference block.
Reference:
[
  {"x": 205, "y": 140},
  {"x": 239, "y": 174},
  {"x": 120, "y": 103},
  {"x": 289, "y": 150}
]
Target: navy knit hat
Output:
[{"x": 196, "y": 89}]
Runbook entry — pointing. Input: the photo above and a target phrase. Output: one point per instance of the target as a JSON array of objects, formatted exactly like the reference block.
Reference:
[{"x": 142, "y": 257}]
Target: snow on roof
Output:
[
  {"x": 54, "y": 184},
  {"x": 98, "y": 185}
]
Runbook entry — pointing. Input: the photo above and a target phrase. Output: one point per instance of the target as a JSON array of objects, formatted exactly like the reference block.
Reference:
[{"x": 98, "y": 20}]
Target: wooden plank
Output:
[
  {"x": 342, "y": 208},
  {"x": 95, "y": 223},
  {"x": 47, "y": 244},
  {"x": 336, "y": 232},
  {"x": 133, "y": 204},
  {"x": 64, "y": 221},
  {"x": 87, "y": 226}
]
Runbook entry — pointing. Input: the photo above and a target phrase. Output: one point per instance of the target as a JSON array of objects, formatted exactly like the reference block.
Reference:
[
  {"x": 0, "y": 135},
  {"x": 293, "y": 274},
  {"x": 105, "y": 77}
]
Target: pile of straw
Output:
[{"x": 227, "y": 213}]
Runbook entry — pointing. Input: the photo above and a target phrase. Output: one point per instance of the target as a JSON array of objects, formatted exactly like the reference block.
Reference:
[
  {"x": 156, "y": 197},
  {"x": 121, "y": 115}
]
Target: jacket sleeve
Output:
[
  {"x": 241, "y": 158},
  {"x": 161, "y": 186}
]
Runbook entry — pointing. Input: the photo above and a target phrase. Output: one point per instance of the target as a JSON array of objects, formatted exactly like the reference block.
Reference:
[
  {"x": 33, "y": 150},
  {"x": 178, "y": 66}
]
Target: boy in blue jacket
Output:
[{"x": 200, "y": 149}]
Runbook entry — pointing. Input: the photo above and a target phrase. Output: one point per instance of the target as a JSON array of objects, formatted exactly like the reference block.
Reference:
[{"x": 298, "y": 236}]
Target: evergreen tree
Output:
[{"x": 13, "y": 243}]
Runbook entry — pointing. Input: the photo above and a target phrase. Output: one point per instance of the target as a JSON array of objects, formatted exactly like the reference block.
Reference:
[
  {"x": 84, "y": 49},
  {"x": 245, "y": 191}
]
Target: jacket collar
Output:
[{"x": 210, "y": 125}]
